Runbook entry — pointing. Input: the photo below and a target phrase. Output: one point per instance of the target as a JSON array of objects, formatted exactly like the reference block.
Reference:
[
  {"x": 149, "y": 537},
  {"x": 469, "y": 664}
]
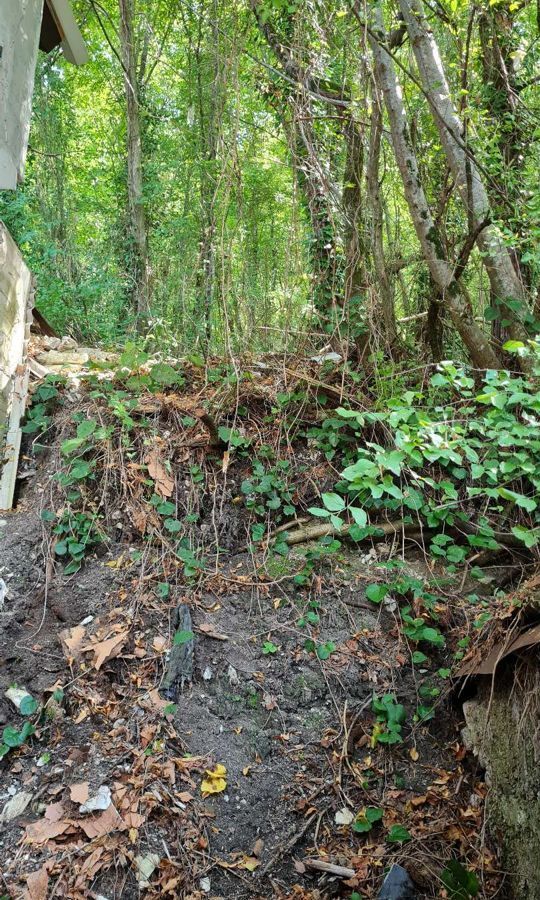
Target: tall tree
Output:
[
  {"x": 141, "y": 275},
  {"x": 506, "y": 285},
  {"x": 444, "y": 273}
]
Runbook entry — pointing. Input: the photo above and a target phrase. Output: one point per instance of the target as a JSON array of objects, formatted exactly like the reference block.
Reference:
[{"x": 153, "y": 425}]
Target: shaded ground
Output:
[{"x": 295, "y": 732}]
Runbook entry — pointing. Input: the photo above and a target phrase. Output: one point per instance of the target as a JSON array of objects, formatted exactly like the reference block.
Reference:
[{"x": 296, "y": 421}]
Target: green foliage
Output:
[
  {"x": 398, "y": 834},
  {"x": 44, "y": 402},
  {"x": 390, "y": 716},
  {"x": 267, "y": 491},
  {"x": 460, "y": 882},
  {"x": 365, "y": 821},
  {"x": 449, "y": 447}
]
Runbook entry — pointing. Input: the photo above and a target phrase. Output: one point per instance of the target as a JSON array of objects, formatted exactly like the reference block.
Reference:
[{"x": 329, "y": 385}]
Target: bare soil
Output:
[{"x": 292, "y": 730}]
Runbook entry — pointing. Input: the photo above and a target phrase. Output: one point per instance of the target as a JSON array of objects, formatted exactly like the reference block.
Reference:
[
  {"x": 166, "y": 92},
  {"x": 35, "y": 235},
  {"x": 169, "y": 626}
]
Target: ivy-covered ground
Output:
[{"x": 339, "y": 551}]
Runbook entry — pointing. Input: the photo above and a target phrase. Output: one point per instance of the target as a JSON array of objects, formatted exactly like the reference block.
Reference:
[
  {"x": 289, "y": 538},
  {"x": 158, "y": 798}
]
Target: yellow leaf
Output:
[
  {"x": 414, "y": 754},
  {"x": 214, "y": 781},
  {"x": 249, "y": 863}
]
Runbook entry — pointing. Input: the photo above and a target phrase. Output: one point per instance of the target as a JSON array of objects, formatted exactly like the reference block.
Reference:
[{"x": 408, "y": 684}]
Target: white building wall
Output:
[{"x": 20, "y": 25}]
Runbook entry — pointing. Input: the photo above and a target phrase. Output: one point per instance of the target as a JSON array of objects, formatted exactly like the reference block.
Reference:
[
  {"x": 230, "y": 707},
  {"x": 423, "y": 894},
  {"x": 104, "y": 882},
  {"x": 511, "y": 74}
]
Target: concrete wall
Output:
[{"x": 20, "y": 25}]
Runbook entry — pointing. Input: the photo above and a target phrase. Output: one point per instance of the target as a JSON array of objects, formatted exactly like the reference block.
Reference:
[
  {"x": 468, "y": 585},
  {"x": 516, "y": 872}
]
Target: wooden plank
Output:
[
  {"x": 16, "y": 302},
  {"x": 72, "y": 42}
]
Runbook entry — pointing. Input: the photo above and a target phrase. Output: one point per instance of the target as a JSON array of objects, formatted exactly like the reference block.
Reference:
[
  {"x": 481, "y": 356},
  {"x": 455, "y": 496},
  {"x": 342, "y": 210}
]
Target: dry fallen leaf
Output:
[
  {"x": 37, "y": 884},
  {"x": 71, "y": 640},
  {"x": 105, "y": 650},
  {"x": 42, "y": 831},
  {"x": 134, "y": 819},
  {"x": 414, "y": 754},
  {"x": 209, "y": 629},
  {"x": 214, "y": 781},
  {"x": 97, "y": 826},
  {"x": 163, "y": 482},
  {"x": 79, "y": 793}
]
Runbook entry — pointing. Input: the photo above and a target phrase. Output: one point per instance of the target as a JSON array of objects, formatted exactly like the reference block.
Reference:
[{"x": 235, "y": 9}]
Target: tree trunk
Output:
[
  {"x": 141, "y": 291},
  {"x": 505, "y": 282},
  {"x": 442, "y": 272},
  {"x": 384, "y": 283}
]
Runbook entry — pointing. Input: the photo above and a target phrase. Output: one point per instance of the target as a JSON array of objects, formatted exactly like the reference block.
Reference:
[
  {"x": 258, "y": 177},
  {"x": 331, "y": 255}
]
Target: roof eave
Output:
[{"x": 73, "y": 44}]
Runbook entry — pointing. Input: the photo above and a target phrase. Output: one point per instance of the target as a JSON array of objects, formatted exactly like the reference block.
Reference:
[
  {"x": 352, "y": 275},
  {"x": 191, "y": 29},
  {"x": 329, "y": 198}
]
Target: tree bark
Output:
[
  {"x": 505, "y": 282},
  {"x": 442, "y": 272},
  {"x": 384, "y": 283},
  {"x": 141, "y": 291}
]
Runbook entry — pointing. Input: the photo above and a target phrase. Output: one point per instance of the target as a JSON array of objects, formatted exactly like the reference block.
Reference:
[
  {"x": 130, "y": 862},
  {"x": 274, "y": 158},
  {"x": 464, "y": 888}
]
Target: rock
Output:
[
  {"x": 145, "y": 866},
  {"x": 397, "y": 885},
  {"x": 51, "y": 343},
  {"x": 67, "y": 343},
  {"x": 327, "y": 357},
  {"x": 15, "y": 807},
  {"x": 3, "y": 593},
  {"x": 100, "y": 801},
  {"x": 232, "y": 675},
  {"x": 208, "y": 674},
  {"x": 205, "y": 885},
  {"x": 344, "y": 816},
  {"x": 16, "y": 695},
  {"x": 57, "y": 358}
]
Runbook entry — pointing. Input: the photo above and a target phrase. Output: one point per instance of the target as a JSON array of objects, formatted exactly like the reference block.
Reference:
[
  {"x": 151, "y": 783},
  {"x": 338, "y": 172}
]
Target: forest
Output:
[
  {"x": 269, "y": 175},
  {"x": 270, "y": 586}
]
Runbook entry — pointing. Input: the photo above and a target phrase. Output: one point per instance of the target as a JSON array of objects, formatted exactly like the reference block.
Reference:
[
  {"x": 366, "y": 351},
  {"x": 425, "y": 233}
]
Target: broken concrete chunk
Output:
[
  {"x": 145, "y": 866},
  {"x": 344, "y": 816},
  {"x": 16, "y": 696},
  {"x": 57, "y": 358},
  {"x": 101, "y": 800},
  {"x": 15, "y": 807}
]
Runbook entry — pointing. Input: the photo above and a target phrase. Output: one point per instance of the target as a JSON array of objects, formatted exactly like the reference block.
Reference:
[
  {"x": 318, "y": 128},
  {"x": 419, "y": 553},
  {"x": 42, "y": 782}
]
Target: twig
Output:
[
  {"x": 322, "y": 866},
  {"x": 297, "y": 836}
]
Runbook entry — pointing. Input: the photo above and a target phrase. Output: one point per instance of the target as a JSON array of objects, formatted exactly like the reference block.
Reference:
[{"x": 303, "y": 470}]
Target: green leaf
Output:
[
  {"x": 359, "y": 516},
  {"x": 164, "y": 374},
  {"x": 324, "y": 651},
  {"x": 132, "y": 357},
  {"x": 377, "y": 592},
  {"x": 333, "y": 502},
  {"x": 527, "y": 535},
  {"x": 320, "y": 513},
  {"x": 170, "y": 709},
  {"x": 11, "y": 736},
  {"x": 28, "y": 705},
  {"x": 70, "y": 446},
  {"x": 173, "y": 525},
  {"x": 86, "y": 428},
  {"x": 80, "y": 469},
  {"x": 182, "y": 637},
  {"x": 269, "y": 647},
  {"x": 391, "y": 461},
  {"x": 47, "y": 515},
  {"x": 374, "y": 814},
  {"x": 418, "y": 658},
  {"x": 398, "y": 834},
  {"x": 459, "y": 881}
]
